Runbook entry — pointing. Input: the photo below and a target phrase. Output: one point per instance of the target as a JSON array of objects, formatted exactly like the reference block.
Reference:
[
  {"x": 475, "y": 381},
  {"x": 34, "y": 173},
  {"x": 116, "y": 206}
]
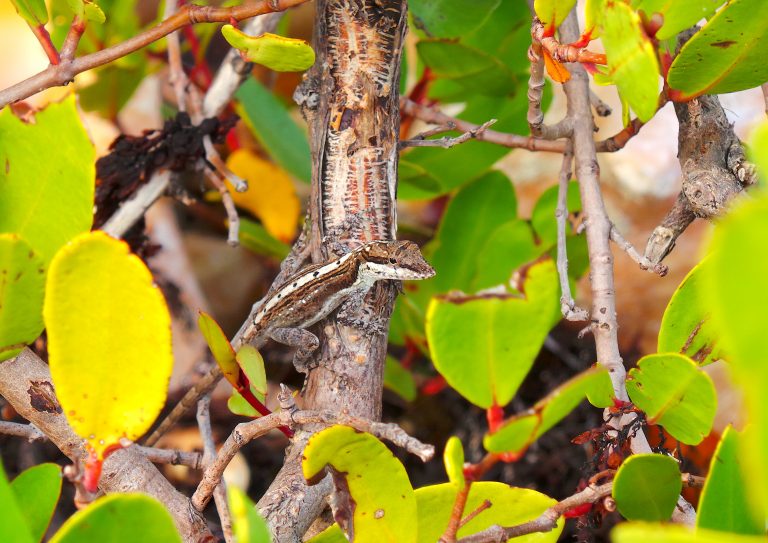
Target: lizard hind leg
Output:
[{"x": 305, "y": 342}]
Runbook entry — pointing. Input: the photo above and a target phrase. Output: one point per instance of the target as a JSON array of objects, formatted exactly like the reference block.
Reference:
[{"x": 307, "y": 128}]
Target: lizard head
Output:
[{"x": 399, "y": 260}]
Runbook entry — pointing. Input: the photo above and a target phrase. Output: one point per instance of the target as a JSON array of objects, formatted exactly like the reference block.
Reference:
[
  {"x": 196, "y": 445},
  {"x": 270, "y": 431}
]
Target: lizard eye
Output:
[{"x": 392, "y": 261}]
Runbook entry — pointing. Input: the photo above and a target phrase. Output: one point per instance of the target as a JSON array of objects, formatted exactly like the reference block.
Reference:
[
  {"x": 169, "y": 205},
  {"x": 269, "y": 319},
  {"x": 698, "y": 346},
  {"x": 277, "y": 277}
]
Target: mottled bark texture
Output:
[
  {"x": 714, "y": 170},
  {"x": 26, "y": 383},
  {"x": 350, "y": 101}
]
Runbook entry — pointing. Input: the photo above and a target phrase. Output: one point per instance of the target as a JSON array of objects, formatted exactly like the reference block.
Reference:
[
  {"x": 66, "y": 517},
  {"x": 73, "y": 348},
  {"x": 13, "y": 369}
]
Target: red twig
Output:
[{"x": 45, "y": 40}]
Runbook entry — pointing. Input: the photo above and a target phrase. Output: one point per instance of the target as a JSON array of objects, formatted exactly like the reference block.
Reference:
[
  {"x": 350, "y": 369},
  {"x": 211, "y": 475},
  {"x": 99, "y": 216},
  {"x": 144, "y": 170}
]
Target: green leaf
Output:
[
  {"x": 450, "y": 18},
  {"x": 646, "y": 487},
  {"x": 519, "y": 431},
  {"x": 553, "y": 12},
  {"x": 250, "y": 361},
  {"x": 93, "y": 13},
  {"x": 13, "y": 520},
  {"x": 673, "y": 392},
  {"x": 509, "y": 246},
  {"x": 738, "y": 308},
  {"x": 275, "y": 52},
  {"x": 384, "y": 503},
  {"x": 474, "y": 70},
  {"x": 686, "y": 326},
  {"x": 399, "y": 380},
  {"x": 758, "y": 150},
  {"x": 120, "y": 518},
  {"x": 57, "y": 155},
  {"x": 275, "y": 129},
  {"x": 22, "y": 284},
  {"x": 109, "y": 340},
  {"x": 727, "y": 55},
  {"x": 37, "y": 491},
  {"x": 632, "y": 62},
  {"x": 490, "y": 201},
  {"x": 220, "y": 347},
  {"x": 33, "y": 12},
  {"x": 678, "y": 14},
  {"x": 247, "y": 525},
  {"x": 453, "y": 458},
  {"x": 254, "y": 237},
  {"x": 543, "y": 217},
  {"x": 511, "y": 506},
  {"x": 485, "y": 345},
  {"x": 724, "y": 503},
  {"x": 641, "y": 532}
]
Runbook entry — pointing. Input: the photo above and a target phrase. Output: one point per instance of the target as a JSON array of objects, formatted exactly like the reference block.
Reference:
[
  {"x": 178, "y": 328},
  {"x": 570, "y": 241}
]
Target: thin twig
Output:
[
  {"x": 248, "y": 431},
  {"x": 64, "y": 72},
  {"x": 764, "y": 87},
  {"x": 446, "y": 142},
  {"x": 209, "y": 453},
  {"x": 233, "y": 238},
  {"x": 177, "y": 77},
  {"x": 132, "y": 210},
  {"x": 644, "y": 263},
  {"x": 535, "y": 92},
  {"x": 433, "y": 116},
  {"x": 601, "y": 108},
  {"x": 45, "y": 42},
  {"x": 546, "y": 522},
  {"x": 30, "y": 432},
  {"x": 480, "y": 508},
  {"x": 564, "y": 52},
  {"x": 69, "y": 47},
  {"x": 568, "y": 305}
]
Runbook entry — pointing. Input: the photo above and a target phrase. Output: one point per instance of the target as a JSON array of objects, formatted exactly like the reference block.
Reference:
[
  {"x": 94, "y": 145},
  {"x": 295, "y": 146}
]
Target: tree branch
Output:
[
  {"x": 25, "y": 383},
  {"x": 209, "y": 453},
  {"x": 445, "y": 142},
  {"x": 64, "y": 72}
]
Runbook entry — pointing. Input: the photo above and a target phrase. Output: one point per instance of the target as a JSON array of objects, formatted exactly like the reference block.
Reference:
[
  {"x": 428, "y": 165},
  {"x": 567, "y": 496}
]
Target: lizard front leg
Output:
[{"x": 304, "y": 341}]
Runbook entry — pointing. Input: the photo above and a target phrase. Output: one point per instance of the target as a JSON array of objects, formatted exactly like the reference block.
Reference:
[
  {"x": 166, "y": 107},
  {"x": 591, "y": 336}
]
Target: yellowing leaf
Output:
[
  {"x": 109, "y": 340},
  {"x": 556, "y": 70},
  {"x": 275, "y": 52},
  {"x": 270, "y": 195},
  {"x": 220, "y": 347}
]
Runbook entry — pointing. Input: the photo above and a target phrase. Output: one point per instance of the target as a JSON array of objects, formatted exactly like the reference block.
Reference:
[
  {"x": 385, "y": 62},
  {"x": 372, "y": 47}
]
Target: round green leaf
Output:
[
  {"x": 632, "y": 62},
  {"x": 646, "y": 487},
  {"x": 13, "y": 520},
  {"x": 485, "y": 345},
  {"x": 22, "y": 284},
  {"x": 46, "y": 179},
  {"x": 109, "y": 340},
  {"x": 518, "y": 432},
  {"x": 120, "y": 518},
  {"x": 382, "y": 507},
  {"x": 510, "y": 506},
  {"x": 453, "y": 458},
  {"x": 251, "y": 362},
  {"x": 727, "y": 55},
  {"x": 641, "y": 532},
  {"x": 247, "y": 525},
  {"x": 275, "y": 52},
  {"x": 673, "y": 392},
  {"x": 686, "y": 326},
  {"x": 37, "y": 492},
  {"x": 724, "y": 503}
]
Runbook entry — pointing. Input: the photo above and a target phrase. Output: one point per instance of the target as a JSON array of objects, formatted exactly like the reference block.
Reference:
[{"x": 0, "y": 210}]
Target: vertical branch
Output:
[
  {"x": 209, "y": 455},
  {"x": 350, "y": 101},
  {"x": 598, "y": 231}
]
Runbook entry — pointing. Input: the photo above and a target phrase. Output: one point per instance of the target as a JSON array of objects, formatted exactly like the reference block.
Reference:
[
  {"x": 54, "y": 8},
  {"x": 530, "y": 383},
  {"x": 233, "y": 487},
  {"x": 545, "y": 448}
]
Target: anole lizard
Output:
[
  {"x": 316, "y": 291},
  {"x": 310, "y": 295}
]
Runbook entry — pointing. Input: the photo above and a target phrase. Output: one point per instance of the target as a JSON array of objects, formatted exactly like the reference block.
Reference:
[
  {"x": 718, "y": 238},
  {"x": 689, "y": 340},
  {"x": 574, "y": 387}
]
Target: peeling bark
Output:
[{"x": 350, "y": 101}]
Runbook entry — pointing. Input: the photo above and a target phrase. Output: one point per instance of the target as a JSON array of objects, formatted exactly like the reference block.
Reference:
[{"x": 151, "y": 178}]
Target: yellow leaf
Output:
[
  {"x": 109, "y": 340},
  {"x": 270, "y": 195}
]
